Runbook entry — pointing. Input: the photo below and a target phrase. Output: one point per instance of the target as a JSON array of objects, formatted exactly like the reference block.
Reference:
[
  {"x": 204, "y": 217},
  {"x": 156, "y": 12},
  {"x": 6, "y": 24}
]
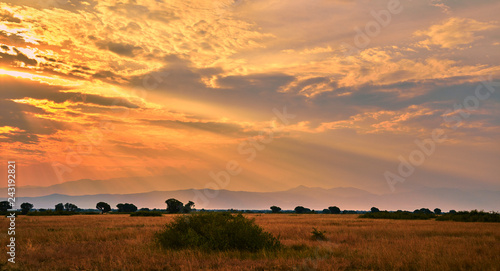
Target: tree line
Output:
[{"x": 175, "y": 206}]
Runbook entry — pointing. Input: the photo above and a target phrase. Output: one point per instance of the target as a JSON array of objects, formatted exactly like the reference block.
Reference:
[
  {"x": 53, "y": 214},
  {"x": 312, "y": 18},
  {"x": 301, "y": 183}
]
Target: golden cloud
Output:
[{"x": 454, "y": 32}]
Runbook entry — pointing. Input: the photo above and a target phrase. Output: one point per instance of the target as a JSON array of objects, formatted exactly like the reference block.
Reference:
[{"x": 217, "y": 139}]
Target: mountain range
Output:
[{"x": 346, "y": 198}]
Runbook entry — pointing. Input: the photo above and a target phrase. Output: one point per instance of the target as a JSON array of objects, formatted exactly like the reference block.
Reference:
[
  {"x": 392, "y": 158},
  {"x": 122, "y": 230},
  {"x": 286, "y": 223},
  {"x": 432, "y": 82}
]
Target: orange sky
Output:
[{"x": 107, "y": 89}]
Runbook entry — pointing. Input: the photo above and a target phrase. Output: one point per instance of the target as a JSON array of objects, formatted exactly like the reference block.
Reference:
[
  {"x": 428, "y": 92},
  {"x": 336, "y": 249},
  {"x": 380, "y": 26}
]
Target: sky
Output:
[{"x": 252, "y": 95}]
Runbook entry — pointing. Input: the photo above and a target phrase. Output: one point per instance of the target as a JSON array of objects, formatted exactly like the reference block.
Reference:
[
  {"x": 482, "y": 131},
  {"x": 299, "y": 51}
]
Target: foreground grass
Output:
[{"x": 121, "y": 242}]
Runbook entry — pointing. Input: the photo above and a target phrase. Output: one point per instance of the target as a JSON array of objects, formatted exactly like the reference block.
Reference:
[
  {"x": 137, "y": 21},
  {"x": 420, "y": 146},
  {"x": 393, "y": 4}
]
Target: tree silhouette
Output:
[
  {"x": 26, "y": 207},
  {"x": 301, "y": 210},
  {"x": 188, "y": 207},
  {"x": 437, "y": 211},
  {"x": 422, "y": 211},
  {"x": 5, "y": 205},
  {"x": 127, "y": 207},
  {"x": 70, "y": 207},
  {"x": 374, "y": 210},
  {"x": 103, "y": 207},
  {"x": 334, "y": 210},
  {"x": 174, "y": 206},
  {"x": 59, "y": 207},
  {"x": 275, "y": 209}
]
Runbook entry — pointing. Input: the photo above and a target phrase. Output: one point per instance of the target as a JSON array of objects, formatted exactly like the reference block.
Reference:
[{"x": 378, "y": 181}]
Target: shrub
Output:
[
  {"x": 472, "y": 216},
  {"x": 349, "y": 212},
  {"x": 397, "y": 215},
  {"x": 302, "y": 210},
  {"x": 146, "y": 213},
  {"x": 318, "y": 235},
  {"x": 275, "y": 209},
  {"x": 334, "y": 210},
  {"x": 216, "y": 231},
  {"x": 126, "y": 208}
]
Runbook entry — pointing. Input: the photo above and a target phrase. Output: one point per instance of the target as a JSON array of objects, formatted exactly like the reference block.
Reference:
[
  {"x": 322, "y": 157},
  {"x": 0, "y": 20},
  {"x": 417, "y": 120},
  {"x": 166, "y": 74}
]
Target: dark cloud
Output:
[
  {"x": 260, "y": 93},
  {"x": 19, "y": 89},
  {"x": 122, "y": 49},
  {"x": 12, "y": 39},
  {"x": 21, "y": 116},
  {"x": 6, "y": 16},
  {"x": 19, "y": 56},
  {"x": 212, "y": 127},
  {"x": 109, "y": 76},
  {"x": 256, "y": 92}
]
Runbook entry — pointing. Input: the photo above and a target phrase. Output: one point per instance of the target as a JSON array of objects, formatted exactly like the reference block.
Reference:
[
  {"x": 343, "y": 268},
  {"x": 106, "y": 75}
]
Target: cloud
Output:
[
  {"x": 6, "y": 16},
  {"x": 120, "y": 48},
  {"x": 17, "y": 56},
  {"x": 27, "y": 127},
  {"x": 18, "y": 89},
  {"x": 222, "y": 128},
  {"x": 454, "y": 32}
]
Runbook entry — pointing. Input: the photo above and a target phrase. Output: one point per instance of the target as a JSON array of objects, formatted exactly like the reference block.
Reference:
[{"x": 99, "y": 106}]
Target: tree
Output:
[
  {"x": 452, "y": 212},
  {"x": 302, "y": 210},
  {"x": 334, "y": 210},
  {"x": 70, "y": 207},
  {"x": 59, "y": 207},
  {"x": 4, "y": 206},
  {"x": 127, "y": 207},
  {"x": 374, "y": 210},
  {"x": 174, "y": 206},
  {"x": 275, "y": 209},
  {"x": 326, "y": 211},
  {"x": 26, "y": 207},
  {"x": 188, "y": 207},
  {"x": 103, "y": 207},
  {"x": 437, "y": 211},
  {"x": 422, "y": 211}
]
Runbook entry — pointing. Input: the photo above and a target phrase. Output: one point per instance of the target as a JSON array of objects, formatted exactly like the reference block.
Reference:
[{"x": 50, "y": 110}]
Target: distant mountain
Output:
[
  {"x": 126, "y": 185},
  {"x": 345, "y": 198}
]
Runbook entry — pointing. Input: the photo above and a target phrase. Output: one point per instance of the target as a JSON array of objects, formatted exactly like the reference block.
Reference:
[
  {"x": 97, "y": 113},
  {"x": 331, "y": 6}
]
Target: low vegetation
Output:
[
  {"x": 397, "y": 215},
  {"x": 211, "y": 231},
  {"x": 318, "y": 235},
  {"x": 472, "y": 216}
]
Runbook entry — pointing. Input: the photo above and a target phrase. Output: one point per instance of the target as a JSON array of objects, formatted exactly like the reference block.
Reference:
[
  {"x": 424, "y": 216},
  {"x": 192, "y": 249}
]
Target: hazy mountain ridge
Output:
[{"x": 314, "y": 198}]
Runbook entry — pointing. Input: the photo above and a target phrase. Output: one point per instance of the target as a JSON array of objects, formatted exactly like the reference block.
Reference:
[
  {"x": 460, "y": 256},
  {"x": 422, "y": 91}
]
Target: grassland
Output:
[{"x": 122, "y": 242}]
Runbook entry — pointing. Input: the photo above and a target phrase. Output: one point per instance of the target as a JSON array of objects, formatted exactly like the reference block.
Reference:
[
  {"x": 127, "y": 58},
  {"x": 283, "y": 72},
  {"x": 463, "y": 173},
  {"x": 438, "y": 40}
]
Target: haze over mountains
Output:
[{"x": 147, "y": 193}]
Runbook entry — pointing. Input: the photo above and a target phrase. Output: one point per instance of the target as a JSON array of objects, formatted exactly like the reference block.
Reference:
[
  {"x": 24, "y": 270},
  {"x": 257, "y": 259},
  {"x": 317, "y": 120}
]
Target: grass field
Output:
[{"x": 121, "y": 242}]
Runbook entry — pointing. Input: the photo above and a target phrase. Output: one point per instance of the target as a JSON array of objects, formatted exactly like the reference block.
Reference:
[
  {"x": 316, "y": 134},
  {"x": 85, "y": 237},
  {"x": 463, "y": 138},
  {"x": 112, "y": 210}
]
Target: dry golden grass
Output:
[{"x": 121, "y": 242}]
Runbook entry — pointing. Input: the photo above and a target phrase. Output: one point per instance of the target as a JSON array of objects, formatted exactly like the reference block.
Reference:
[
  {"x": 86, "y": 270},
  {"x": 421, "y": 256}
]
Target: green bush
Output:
[
  {"x": 146, "y": 213},
  {"x": 397, "y": 215},
  {"x": 216, "y": 231},
  {"x": 472, "y": 216},
  {"x": 318, "y": 235}
]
